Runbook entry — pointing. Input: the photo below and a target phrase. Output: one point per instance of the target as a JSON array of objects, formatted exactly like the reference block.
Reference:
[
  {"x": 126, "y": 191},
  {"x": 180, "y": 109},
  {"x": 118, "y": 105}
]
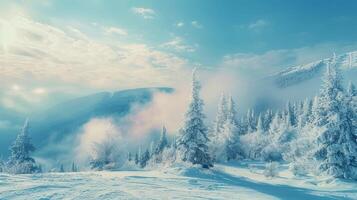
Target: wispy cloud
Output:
[
  {"x": 116, "y": 30},
  {"x": 258, "y": 25},
  {"x": 146, "y": 13},
  {"x": 178, "y": 44},
  {"x": 72, "y": 57},
  {"x": 196, "y": 24},
  {"x": 180, "y": 24}
]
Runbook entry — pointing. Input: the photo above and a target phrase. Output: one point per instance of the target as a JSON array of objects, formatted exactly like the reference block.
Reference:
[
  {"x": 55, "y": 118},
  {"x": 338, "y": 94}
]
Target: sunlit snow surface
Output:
[{"x": 230, "y": 181}]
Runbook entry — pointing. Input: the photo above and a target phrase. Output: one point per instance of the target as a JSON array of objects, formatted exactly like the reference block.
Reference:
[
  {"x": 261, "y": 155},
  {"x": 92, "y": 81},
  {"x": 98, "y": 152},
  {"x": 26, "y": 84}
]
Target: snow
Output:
[
  {"x": 297, "y": 74},
  {"x": 243, "y": 180}
]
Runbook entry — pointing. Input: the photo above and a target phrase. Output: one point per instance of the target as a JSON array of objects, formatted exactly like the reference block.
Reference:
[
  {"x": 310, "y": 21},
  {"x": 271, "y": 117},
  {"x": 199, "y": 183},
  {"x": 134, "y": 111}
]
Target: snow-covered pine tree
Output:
[
  {"x": 104, "y": 154},
  {"x": 268, "y": 118},
  {"x": 220, "y": 118},
  {"x": 352, "y": 104},
  {"x": 192, "y": 143},
  {"x": 145, "y": 158},
  {"x": 20, "y": 161},
  {"x": 314, "y": 110},
  {"x": 216, "y": 136},
  {"x": 61, "y": 168},
  {"x": 39, "y": 168},
  {"x": 129, "y": 157},
  {"x": 275, "y": 124},
  {"x": 290, "y": 114},
  {"x": 251, "y": 121},
  {"x": 337, "y": 144},
  {"x": 351, "y": 91},
  {"x": 163, "y": 143},
  {"x": 73, "y": 167},
  {"x": 230, "y": 131},
  {"x": 280, "y": 134},
  {"x": 136, "y": 159},
  {"x": 152, "y": 148},
  {"x": 2, "y": 165},
  {"x": 305, "y": 113},
  {"x": 260, "y": 125}
]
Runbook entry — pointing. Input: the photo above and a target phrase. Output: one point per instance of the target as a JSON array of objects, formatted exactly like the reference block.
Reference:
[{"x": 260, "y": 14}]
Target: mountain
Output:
[
  {"x": 54, "y": 124},
  {"x": 302, "y": 73}
]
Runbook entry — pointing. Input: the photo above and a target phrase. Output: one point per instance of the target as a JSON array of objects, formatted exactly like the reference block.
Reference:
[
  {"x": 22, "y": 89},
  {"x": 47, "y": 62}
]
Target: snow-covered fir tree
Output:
[
  {"x": 352, "y": 104},
  {"x": 2, "y": 165},
  {"x": 192, "y": 143},
  {"x": 260, "y": 124},
  {"x": 216, "y": 136},
  {"x": 74, "y": 167},
  {"x": 337, "y": 144},
  {"x": 251, "y": 121},
  {"x": 61, "y": 169},
  {"x": 152, "y": 148},
  {"x": 129, "y": 157},
  {"x": 220, "y": 118},
  {"x": 20, "y": 161},
  {"x": 163, "y": 143},
  {"x": 136, "y": 158},
  {"x": 268, "y": 117},
  {"x": 230, "y": 131},
  {"x": 305, "y": 113},
  {"x": 104, "y": 155},
  {"x": 145, "y": 158},
  {"x": 290, "y": 113}
]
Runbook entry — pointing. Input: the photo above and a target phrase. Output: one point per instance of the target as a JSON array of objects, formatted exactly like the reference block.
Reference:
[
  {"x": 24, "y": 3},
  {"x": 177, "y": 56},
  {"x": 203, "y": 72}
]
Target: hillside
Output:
[
  {"x": 303, "y": 73},
  {"x": 56, "y": 123},
  {"x": 227, "y": 181}
]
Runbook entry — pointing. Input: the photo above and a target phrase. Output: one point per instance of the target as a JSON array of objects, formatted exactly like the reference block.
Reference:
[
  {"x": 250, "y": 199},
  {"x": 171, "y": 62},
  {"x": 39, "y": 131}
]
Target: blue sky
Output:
[
  {"x": 67, "y": 47},
  {"x": 227, "y": 26}
]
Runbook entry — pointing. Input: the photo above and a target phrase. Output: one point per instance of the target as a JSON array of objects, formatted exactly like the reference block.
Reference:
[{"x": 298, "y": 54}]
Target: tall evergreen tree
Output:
[
  {"x": 268, "y": 118},
  {"x": 73, "y": 167},
  {"x": 152, "y": 148},
  {"x": 337, "y": 144},
  {"x": 163, "y": 143},
  {"x": 129, "y": 157},
  {"x": 260, "y": 125},
  {"x": 192, "y": 144},
  {"x": 305, "y": 113},
  {"x": 290, "y": 114},
  {"x": 230, "y": 130},
  {"x": 20, "y": 161},
  {"x": 352, "y": 104},
  {"x": 251, "y": 121},
  {"x": 136, "y": 159},
  {"x": 145, "y": 158},
  {"x": 61, "y": 168},
  {"x": 220, "y": 117}
]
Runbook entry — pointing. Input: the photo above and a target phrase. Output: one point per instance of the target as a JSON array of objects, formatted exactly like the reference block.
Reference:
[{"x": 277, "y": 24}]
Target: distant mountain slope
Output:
[
  {"x": 297, "y": 74},
  {"x": 65, "y": 118}
]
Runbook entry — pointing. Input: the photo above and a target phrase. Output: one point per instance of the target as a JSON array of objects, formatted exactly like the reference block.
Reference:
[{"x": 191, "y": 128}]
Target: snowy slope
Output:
[
  {"x": 297, "y": 74},
  {"x": 231, "y": 181}
]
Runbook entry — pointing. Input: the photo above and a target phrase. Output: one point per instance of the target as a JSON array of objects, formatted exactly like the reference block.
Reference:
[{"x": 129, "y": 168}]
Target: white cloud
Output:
[
  {"x": 46, "y": 54},
  {"x": 70, "y": 63},
  {"x": 258, "y": 25},
  {"x": 178, "y": 44},
  {"x": 196, "y": 24},
  {"x": 116, "y": 30},
  {"x": 146, "y": 13},
  {"x": 180, "y": 24}
]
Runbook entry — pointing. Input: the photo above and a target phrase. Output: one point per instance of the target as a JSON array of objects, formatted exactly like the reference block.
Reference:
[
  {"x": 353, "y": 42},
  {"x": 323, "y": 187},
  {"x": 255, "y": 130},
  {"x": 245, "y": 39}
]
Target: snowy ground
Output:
[{"x": 229, "y": 181}]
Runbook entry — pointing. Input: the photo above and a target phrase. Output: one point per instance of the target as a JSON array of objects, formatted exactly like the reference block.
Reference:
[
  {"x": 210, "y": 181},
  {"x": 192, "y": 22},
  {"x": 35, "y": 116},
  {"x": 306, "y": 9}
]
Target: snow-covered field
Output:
[{"x": 231, "y": 181}]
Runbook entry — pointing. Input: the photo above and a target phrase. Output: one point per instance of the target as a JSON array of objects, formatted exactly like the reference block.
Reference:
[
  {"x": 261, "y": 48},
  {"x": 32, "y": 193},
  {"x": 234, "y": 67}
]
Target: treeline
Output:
[{"x": 317, "y": 136}]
